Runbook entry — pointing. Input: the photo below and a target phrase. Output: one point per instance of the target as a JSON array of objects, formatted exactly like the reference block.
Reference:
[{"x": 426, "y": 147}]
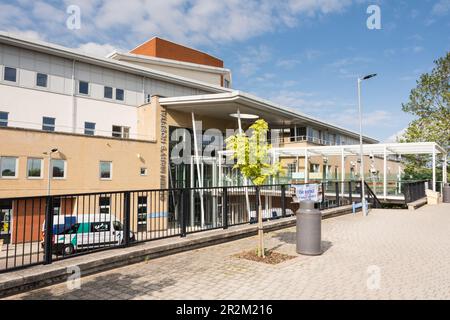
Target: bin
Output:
[
  {"x": 309, "y": 229},
  {"x": 446, "y": 193}
]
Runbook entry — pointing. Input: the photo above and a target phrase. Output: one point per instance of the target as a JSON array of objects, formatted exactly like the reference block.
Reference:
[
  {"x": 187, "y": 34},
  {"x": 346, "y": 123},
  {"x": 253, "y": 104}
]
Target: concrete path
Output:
[{"x": 391, "y": 254}]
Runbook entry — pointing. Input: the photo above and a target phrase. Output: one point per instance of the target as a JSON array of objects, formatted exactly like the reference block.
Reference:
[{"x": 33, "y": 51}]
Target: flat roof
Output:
[
  {"x": 72, "y": 54},
  {"x": 221, "y": 105}
]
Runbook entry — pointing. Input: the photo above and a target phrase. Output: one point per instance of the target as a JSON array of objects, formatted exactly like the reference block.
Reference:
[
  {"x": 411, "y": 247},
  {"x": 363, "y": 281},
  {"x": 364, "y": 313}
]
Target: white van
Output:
[{"x": 87, "y": 231}]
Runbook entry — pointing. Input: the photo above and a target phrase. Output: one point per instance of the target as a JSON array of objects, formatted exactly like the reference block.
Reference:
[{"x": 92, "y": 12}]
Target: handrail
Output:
[{"x": 376, "y": 203}]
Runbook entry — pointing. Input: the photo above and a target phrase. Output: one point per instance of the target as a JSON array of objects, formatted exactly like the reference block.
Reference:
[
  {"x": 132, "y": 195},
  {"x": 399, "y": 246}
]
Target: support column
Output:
[
  {"x": 199, "y": 171},
  {"x": 444, "y": 170},
  {"x": 434, "y": 169},
  {"x": 342, "y": 172},
  {"x": 385, "y": 174},
  {"x": 306, "y": 166}
]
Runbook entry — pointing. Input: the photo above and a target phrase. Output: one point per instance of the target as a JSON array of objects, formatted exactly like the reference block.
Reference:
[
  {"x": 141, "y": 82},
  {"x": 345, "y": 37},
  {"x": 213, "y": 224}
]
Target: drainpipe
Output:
[{"x": 74, "y": 102}]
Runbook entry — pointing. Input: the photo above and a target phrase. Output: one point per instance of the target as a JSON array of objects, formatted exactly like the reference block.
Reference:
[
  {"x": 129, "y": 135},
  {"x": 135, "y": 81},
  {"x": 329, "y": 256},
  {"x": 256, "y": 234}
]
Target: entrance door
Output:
[{"x": 5, "y": 221}]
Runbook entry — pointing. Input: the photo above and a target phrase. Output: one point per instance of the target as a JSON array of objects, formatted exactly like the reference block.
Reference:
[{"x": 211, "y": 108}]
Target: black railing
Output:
[
  {"x": 414, "y": 190},
  {"x": 372, "y": 197},
  {"x": 40, "y": 230}
]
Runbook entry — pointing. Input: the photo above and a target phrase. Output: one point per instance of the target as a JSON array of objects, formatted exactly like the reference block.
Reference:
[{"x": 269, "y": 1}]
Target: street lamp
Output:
[
  {"x": 54, "y": 150},
  {"x": 361, "y": 155}
]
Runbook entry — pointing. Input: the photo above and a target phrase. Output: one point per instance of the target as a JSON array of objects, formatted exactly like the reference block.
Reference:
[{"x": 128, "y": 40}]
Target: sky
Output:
[{"x": 303, "y": 54}]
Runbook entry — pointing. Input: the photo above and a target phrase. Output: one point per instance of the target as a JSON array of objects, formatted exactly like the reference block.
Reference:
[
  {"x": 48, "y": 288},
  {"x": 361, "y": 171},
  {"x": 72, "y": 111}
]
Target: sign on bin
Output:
[{"x": 307, "y": 192}]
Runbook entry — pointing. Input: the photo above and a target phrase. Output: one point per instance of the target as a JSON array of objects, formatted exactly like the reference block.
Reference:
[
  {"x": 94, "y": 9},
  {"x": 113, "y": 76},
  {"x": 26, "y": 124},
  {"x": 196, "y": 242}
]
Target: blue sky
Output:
[{"x": 304, "y": 54}]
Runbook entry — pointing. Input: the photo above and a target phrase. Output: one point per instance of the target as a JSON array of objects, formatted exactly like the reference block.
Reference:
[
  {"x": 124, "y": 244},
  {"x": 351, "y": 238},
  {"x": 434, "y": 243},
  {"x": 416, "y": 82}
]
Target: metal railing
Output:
[
  {"x": 414, "y": 190},
  {"x": 40, "y": 230}
]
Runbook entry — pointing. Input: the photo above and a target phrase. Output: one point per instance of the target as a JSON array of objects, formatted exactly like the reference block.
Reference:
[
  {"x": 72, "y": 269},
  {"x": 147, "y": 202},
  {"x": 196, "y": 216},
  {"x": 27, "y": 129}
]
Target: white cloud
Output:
[
  {"x": 441, "y": 8},
  {"x": 251, "y": 60},
  {"x": 396, "y": 136}
]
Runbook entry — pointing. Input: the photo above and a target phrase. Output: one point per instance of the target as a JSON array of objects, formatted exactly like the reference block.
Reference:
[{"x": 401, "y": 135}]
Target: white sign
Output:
[{"x": 307, "y": 192}]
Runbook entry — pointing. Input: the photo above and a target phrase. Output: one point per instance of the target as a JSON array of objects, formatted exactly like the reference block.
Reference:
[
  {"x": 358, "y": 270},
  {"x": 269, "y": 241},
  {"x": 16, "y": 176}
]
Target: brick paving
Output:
[{"x": 411, "y": 250}]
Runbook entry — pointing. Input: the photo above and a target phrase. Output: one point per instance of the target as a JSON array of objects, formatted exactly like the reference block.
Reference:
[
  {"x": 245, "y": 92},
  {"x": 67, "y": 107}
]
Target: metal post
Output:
[
  {"x": 225, "y": 207},
  {"x": 342, "y": 172},
  {"x": 361, "y": 151},
  {"x": 434, "y": 169},
  {"x": 199, "y": 172},
  {"x": 337, "y": 193},
  {"x": 444, "y": 170},
  {"x": 126, "y": 218},
  {"x": 283, "y": 200},
  {"x": 350, "y": 197},
  {"x": 48, "y": 231},
  {"x": 323, "y": 195},
  {"x": 385, "y": 174},
  {"x": 306, "y": 166}
]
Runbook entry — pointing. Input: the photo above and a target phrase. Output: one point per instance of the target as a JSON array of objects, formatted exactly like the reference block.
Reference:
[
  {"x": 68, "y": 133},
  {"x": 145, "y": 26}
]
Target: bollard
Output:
[{"x": 309, "y": 229}]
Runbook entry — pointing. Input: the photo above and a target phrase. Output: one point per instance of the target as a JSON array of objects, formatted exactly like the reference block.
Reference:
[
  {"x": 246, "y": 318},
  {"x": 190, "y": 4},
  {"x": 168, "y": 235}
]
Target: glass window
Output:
[
  {"x": 56, "y": 206},
  {"x": 119, "y": 94},
  {"x": 41, "y": 80},
  {"x": 3, "y": 119},
  {"x": 10, "y": 74},
  {"x": 48, "y": 124},
  {"x": 58, "y": 169},
  {"x": 89, "y": 128},
  {"x": 105, "y": 204},
  {"x": 34, "y": 168},
  {"x": 83, "y": 87},
  {"x": 108, "y": 93},
  {"x": 8, "y": 167},
  {"x": 142, "y": 213},
  {"x": 120, "y": 132},
  {"x": 144, "y": 171},
  {"x": 105, "y": 170}
]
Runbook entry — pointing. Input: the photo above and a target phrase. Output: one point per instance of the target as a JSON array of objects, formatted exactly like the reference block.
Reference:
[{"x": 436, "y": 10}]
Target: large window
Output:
[
  {"x": 34, "y": 168},
  {"x": 105, "y": 204},
  {"x": 3, "y": 119},
  {"x": 10, "y": 74},
  {"x": 83, "y": 87},
  {"x": 89, "y": 128},
  {"x": 41, "y": 80},
  {"x": 121, "y": 132},
  {"x": 48, "y": 124},
  {"x": 8, "y": 167},
  {"x": 108, "y": 93},
  {"x": 120, "y": 94},
  {"x": 142, "y": 213},
  {"x": 105, "y": 170},
  {"x": 58, "y": 169}
]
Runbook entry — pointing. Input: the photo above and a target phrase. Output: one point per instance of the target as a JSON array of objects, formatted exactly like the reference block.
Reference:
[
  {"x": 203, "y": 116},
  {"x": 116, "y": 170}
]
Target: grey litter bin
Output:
[
  {"x": 446, "y": 193},
  {"x": 309, "y": 229}
]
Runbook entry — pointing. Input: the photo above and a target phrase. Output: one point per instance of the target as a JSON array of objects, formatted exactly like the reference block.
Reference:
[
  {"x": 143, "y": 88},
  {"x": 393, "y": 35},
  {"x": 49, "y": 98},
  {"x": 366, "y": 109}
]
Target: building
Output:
[{"x": 112, "y": 120}]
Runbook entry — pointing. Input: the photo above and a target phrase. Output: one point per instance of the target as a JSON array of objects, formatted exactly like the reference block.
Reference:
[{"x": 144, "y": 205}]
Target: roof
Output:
[
  {"x": 166, "y": 62},
  {"x": 221, "y": 105},
  {"x": 368, "y": 149},
  {"x": 161, "y": 48},
  {"x": 72, "y": 54}
]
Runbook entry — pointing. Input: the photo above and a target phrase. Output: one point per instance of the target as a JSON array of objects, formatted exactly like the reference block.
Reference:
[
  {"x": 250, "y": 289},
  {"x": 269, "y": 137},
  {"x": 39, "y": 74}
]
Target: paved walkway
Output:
[{"x": 392, "y": 254}]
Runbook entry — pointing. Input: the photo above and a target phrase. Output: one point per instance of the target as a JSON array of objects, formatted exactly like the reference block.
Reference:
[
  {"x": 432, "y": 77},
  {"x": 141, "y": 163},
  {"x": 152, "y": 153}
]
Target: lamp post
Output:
[
  {"x": 361, "y": 155},
  {"x": 54, "y": 150}
]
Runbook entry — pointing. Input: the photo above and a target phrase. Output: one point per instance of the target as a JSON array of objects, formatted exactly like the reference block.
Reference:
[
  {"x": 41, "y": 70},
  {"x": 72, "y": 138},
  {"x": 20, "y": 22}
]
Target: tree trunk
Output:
[{"x": 260, "y": 232}]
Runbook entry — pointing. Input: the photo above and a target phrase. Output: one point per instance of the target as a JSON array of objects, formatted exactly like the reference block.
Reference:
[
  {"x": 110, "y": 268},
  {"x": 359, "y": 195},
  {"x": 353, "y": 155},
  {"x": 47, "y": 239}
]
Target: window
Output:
[
  {"x": 83, "y": 87},
  {"x": 100, "y": 226},
  {"x": 41, "y": 80},
  {"x": 108, "y": 93},
  {"x": 48, "y": 124},
  {"x": 121, "y": 132},
  {"x": 89, "y": 128},
  {"x": 3, "y": 119},
  {"x": 58, "y": 169},
  {"x": 10, "y": 74},
  {"x": 144, "y": 171},
  {"x": 104, "y": 204},
  {"x": 34, "y": 168},
  {"x": 119, "y": 94},
  {"x": 226, "y": 83},
  {"x": 8, "y": 167},
  {"x": 105, "y": 170},
  {"x": 142, "y": 214}
]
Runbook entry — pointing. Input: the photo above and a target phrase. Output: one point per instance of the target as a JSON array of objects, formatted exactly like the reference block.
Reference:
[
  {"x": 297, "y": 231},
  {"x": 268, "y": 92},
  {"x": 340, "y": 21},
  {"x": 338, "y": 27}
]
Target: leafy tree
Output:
[
  {"x": 253, "y": 161},
  {"x": 430, "y": 103}
]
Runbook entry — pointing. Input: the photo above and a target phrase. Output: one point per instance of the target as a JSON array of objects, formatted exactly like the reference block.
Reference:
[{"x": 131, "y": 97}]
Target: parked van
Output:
[{"x": 87, "y": 231}]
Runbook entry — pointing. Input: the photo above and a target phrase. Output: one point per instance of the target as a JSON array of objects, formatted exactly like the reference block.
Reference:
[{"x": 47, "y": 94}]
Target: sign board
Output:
[{"x": 307, "y": 192}]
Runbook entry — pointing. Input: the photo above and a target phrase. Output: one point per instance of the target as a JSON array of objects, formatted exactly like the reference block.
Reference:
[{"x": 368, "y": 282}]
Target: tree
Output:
[
  {"x": 430, "y": 103},
  {"x": 253, "y": 161}
]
